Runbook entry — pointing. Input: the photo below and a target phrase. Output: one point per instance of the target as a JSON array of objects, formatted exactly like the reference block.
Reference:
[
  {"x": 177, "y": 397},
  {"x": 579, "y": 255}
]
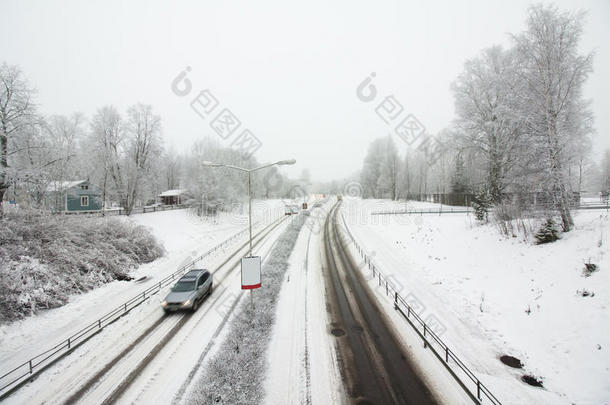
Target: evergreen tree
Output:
[
  {"x": 459, "y": 183},
  {"x": 547, "y": 233},
  {"x": 481, "y": 204}
]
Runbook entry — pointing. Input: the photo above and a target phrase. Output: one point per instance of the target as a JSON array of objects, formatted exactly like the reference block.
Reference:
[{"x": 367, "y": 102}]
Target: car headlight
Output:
[
  {"x": 164, "y": 304},
  {"x": 186, "y": 303}
]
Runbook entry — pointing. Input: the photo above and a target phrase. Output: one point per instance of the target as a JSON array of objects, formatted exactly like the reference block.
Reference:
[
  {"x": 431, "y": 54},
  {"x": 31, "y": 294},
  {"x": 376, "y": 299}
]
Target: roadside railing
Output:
[
  {"x": 471, "y": 384},
  {"x": 14, "y": 378},
  {"x": 469, "y": 210}
]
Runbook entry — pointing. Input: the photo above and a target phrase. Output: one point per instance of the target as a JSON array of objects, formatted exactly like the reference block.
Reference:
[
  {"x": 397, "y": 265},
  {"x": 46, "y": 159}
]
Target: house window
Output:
[
  {"x": 84, "y": 187},
  {"x": 84, "y": 201}
]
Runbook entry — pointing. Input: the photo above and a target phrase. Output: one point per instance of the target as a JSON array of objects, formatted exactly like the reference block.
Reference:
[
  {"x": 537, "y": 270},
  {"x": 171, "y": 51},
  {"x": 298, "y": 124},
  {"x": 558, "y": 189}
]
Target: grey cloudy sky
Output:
[{"x": 287, "y": 70}]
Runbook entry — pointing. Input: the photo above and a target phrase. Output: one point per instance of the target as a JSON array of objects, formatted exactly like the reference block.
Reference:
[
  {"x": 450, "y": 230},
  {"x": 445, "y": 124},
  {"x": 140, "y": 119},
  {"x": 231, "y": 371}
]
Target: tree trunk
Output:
[{"x": 3, "y": 165}]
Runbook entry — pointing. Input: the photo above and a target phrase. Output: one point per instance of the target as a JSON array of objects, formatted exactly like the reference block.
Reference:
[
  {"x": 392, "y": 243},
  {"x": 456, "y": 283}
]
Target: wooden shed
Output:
[{"x": 174, "y": 197}]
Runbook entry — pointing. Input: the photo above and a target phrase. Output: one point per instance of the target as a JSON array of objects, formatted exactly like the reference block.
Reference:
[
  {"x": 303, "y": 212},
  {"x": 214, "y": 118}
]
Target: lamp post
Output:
[{"x": 250, "y": 171}]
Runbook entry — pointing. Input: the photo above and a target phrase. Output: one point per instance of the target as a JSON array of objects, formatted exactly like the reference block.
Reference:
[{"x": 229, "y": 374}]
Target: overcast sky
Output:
[{"x": 287, "y": 70}]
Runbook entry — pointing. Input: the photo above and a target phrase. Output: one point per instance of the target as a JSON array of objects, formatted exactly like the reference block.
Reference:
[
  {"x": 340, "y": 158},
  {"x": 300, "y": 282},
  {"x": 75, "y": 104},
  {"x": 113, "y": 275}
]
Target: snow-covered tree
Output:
[
  {"x": 381, "y": 169},
  {"x": 459, "y": 182},
  {"x": 143, "y": 136},
  {"x": 387, "y": 183},
  {"x": 17, "y": 111},
  {"x": 107, "y": 142},
  {"x": 605, "y": 172},
  {"x": 485, "y": 94},
  {"x": 551, "y": 105}
]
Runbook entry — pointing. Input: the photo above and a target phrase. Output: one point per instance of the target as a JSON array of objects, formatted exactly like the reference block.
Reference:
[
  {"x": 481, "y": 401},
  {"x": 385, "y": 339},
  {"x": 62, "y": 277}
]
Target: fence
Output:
[
  {"x": 144, "y": 210},
  {"x": 431, "y": 340},
  {"x": 455, "y": 199},
  {"x": 14, "y": 378},
  {"x": 439, "y": 211}
]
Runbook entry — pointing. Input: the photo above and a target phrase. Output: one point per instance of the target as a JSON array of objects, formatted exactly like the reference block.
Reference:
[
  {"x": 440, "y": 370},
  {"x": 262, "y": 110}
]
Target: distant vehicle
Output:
[
  {"x": 189, "y": 291},
  {"x": 291, "y": 209},
  {"x": 339, "y": 197},
  {"x": 304, "y": 205}
]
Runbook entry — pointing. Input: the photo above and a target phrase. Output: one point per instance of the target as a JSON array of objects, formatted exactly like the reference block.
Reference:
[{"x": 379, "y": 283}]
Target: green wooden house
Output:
[{"x": 73, "y": 196}]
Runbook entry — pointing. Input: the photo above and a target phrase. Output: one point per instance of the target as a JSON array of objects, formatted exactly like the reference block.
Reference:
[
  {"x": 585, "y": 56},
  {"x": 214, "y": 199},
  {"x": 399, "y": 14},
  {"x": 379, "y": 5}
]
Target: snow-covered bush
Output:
[
  {"x": 548, "y": 232},
  {"x": 45, "y": 258},
  {"x": 589, "y": 269},
  {"x": 481, "y": 205}
]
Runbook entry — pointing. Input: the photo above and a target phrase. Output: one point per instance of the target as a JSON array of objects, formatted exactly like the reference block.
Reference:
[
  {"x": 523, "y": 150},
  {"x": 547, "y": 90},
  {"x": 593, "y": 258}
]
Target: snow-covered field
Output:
[
  {"x": 184, "y": 236},
  {"x": 498, "y": 296}
]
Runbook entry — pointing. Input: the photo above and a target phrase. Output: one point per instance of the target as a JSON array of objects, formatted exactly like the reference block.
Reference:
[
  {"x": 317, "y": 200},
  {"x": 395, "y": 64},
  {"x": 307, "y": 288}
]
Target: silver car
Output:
[{"x": 189, "y": 291}]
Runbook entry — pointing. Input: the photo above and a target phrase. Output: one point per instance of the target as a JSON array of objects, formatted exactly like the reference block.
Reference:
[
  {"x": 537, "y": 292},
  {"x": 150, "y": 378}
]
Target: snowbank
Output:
[{"x": 497, "y": 296}]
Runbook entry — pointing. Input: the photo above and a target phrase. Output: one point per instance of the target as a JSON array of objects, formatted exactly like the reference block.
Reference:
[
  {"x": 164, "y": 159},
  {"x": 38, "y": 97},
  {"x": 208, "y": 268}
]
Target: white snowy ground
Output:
[
  {"x": 480, "y": 284},
  {"x": 184, "y": 236},
  {"x": 302, "y": 360}
]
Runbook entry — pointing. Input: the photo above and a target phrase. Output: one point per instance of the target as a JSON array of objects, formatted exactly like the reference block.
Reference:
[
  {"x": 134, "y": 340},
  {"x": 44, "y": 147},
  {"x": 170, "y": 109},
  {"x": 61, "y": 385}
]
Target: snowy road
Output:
[
  {"x": 127, "y": 361},
  {"x": 375, "y": 367}
]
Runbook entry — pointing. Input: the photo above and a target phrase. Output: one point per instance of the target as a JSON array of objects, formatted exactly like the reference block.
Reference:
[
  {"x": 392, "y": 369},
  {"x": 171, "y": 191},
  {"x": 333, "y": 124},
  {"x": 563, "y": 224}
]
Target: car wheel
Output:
[
  {"x": 210, "y": 290},
  {"x": 195, "y": 305}
]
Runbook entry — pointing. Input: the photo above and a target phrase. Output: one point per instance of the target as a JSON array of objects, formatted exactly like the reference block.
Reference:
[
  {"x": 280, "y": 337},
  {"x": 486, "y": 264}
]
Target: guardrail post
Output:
[
  {"x": 479, "y": 389},
  {"x": 68, "y": 343},
  {"x": 379, "y": 278},
  {"x": 31, "y": 368},
  {"x": 395, "y": 300},
  {"x": 99, "y": 323},
  {"x": 386, "y": 287},
  {"x": 425, "y": 341},
  {"x": 446, "y": 354},
  {"x": 125, "y": 307}
]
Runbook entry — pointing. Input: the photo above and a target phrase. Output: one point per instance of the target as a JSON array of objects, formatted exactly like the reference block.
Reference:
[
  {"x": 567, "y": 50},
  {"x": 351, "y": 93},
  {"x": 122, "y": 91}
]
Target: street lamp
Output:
[{"x": 249, "y": 171}]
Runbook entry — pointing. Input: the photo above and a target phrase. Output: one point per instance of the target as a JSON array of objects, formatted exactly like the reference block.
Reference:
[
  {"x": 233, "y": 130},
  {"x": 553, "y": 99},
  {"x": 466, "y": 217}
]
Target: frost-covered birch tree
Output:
[
  {"x": 552, "y": 107},
  {"x": 485, "y": 94}
]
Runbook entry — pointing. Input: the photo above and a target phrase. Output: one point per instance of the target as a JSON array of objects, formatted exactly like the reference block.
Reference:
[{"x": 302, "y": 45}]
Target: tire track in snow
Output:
[
  {"x": 377, "y": 369},
  {"x": 99, "y": 378},
  {"x": 179, "y": 395},
  {"x": 230, "y": 269}
]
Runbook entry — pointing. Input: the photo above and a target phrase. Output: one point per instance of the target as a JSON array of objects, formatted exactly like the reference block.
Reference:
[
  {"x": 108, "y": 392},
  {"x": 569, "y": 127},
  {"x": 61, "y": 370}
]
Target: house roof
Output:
[
  {"x": 63, "y": 185},
  {"x": 170, "y": 193}
]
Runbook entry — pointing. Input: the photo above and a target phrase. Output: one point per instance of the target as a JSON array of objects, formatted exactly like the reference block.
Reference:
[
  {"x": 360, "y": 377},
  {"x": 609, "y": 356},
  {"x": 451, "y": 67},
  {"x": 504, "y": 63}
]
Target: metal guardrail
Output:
[
  {"x": 469, "y": 210},
  {"x": 14, "y": 378},
  {"x": 431, "y": 340}
]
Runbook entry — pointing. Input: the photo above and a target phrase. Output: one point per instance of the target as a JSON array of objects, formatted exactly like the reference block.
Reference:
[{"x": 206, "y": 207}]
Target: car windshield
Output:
[{"x": 182, "y": 286}]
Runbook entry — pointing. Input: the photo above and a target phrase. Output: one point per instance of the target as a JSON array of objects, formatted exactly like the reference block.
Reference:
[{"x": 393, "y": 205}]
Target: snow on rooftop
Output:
[
  {"x": 63, "y": 185},
  {"x": 169, "y": 193}
]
